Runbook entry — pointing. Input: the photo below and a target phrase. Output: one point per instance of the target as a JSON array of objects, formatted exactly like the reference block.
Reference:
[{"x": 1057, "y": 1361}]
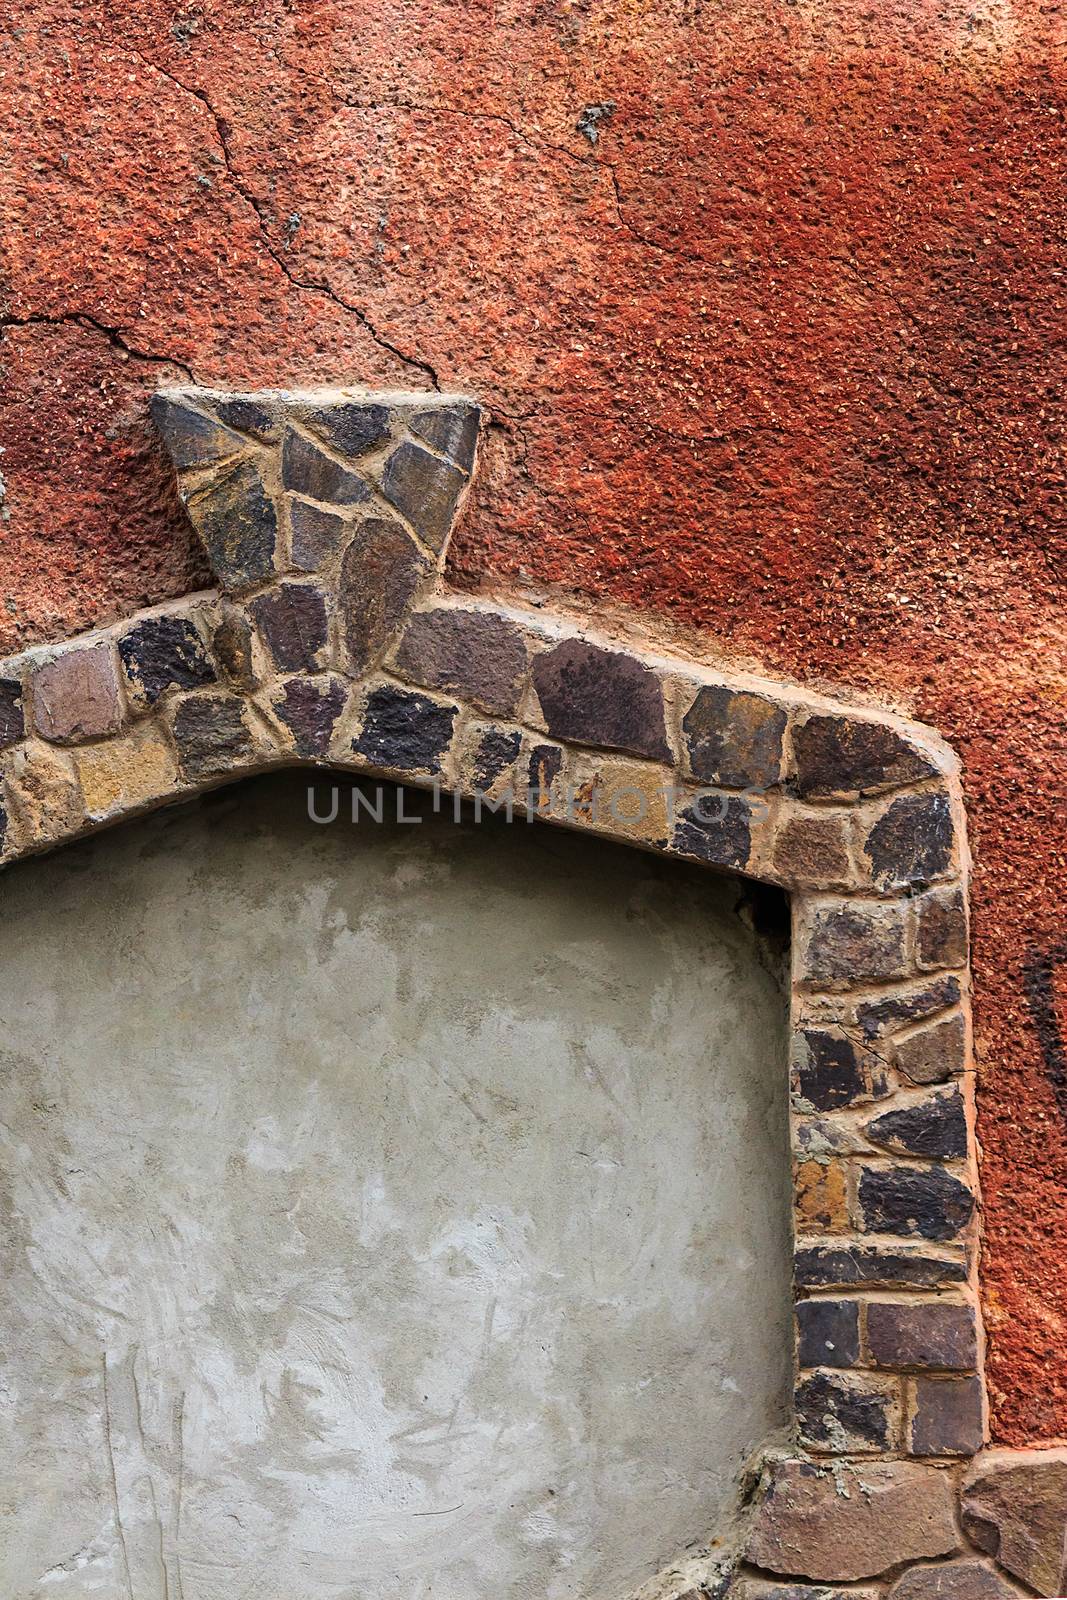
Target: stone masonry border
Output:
[{"x": 331, "y": 643}]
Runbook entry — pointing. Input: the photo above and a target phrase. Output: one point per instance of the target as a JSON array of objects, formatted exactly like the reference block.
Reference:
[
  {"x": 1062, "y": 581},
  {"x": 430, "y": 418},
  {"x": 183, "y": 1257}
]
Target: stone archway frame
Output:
[{"x": 331, "y": 642}]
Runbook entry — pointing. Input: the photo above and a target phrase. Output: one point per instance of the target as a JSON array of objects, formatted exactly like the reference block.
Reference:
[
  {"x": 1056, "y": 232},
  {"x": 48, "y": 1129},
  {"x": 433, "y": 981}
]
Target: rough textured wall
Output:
[
  {"x": 385, "y": 1209},
  {"x": 766, "y": 299}
]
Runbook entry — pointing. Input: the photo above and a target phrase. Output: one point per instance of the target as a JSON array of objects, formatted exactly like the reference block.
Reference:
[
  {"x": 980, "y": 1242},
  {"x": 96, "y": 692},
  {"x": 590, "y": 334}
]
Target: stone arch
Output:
[{"x": 331, "y": 641}]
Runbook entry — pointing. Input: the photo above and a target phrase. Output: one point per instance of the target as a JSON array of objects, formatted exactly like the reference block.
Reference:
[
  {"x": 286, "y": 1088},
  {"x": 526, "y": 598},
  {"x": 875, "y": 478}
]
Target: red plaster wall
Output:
[{"x": 777, "y": 359}]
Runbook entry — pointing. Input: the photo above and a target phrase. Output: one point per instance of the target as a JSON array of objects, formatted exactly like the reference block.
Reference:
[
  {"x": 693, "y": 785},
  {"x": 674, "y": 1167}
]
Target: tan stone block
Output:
[
  {"x": 125, "y": 773},
  {"x": 627, "y": 799},
  {"x": 821, "y": 1197},
  {"x": 45, "y": 796}
]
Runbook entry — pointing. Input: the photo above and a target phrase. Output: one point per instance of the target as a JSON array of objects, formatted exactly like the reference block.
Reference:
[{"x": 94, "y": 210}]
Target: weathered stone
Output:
[
  {"x": 820, "y": 1197},
  {"x": 948, "y": 1417},
  {"x": 934, "y": 1054},
  {"x": 405, "y": 732},
  {"x": 249, "y": 416},
  {"x": 211, "y": 735},
  {"x": 1015, "y": 1508},
  {"x": 851, "y": 1523},
  {"x": 310, "y": 707},
  {"x": 847, "y": 1414},
  {"x": 192, "y": 439},
  {"x": 45, "y": 795},
  {"x": 759, "y": 1589},
  {"x": 716, "y": 829},
  {"x": 544, "y": 767},
  {"x": 4, "y": 825},
  {"x": 236, "y": 520},
  {"x": 829, "y": 1072},
  {"x": 815, "y": 1135},
  {"x": 292, "y": 621},
  {"x": 878, "y": 1017},
  {"x": 478, "y": 655},
  {"x": 911, "y": 843},
  {"x": 734, "y": 738},
  {"x": 603, "y": 698},
  {"x": 929, "y": 1202},
  {"x": 310, "y": 471},
  {"x": 928, "y": 1334},
  {"x": 935, "y": 1127},
  {"x": 121, "y": 774},
  {"x": 849, "y": 943},
  {"x": 353, "y": 428},
  {"x": 956, "y": 1580},
  {"x": 381, "y": 573},
  {"x": 450, "y": 429},
  {"x": 161, "y": 653},
  {"x": 76, "y": 696},
  {"x": 425, "y": 490},
  {"x": 828, "y": 1333},
  {"x": 812, "y": 851},
  {"x": 845, "y": 756},
  {"x": 942, "y": 933},
  {"x": 874, "y": 1267},
  {"x": 231, "y": 644},
  {"x": 497, "y": 751},
  {"x": 317, "y": 534},
  {"x": 629, "y": 799},
  {"x": 12, "y": 712}
]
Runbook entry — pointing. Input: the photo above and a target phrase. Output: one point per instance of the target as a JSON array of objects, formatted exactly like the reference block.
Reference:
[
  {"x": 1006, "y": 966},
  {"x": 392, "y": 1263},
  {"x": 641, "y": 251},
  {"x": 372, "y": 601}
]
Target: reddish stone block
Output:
[
  {"x": 922, "y": 1334},
  {"x": 76, "y": 696}
]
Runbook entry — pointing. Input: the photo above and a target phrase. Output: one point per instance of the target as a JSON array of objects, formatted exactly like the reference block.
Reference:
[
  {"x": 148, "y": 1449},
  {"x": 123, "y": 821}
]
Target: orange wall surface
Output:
[{"x": 777, "y": 359}]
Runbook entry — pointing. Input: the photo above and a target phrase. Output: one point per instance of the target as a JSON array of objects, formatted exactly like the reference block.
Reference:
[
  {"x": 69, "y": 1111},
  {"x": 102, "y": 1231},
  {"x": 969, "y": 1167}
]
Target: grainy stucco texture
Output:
[
  {"x": 386, "y": 1211},
  {"x": 776, "y": 359}
]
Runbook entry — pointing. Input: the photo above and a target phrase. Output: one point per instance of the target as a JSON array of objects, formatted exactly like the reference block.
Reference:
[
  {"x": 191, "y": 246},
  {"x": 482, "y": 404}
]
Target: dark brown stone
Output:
[
  {"x": 942, "y": 935},
  {"x": 716, "y": 829},
  {"x": 850, "y": 944},
  {"x": 164, "y": 652},
  {"x": 874, "y": 1267},
  {"x": 211, "y": 735},
  {"x": 381, "y": 573},
  {"x": 935, "y": 1127},
  {"x": 310, "y": 471},
  {"x": 310, "y": 707},
  {"x": 948, "y": 1417},
  {"x": 847, "y": 1413},
  {"x": 236, "y": 520},
  {"x": 405, "y": 732},
  {"x": 292, "y": 621},
  {"x": 231, "y": 644},
  {"x": 829, "y": 1072},
  {"x": 813, "y": 851},
  {"x": 928, "y": 1202},
  {"x": 317, "y": 534},
  {"x": 845, "y": 756},
  {"x": 955, "y": 1580},
  {"x": 249, "y": 416},
  {"x": 1015, "y": 1508},
  {"x": 498, "y": 749},
  {"x": 76, "y": 696},
  {"x": 934, "y": 1054},
  {"x": 12, "y": 713},
  {"x": 911, "y": 843},
  {"x": 828, "y": 1333},
  {"x": 603, "y": 698},
  {"x": 478, "y": 655},
  {"x": 849, "y": 1523},
  {"x": 424, "y": 489},
  {"x": 450, "y": 429},
  {"x": 192, "y": 439},
  {"x": 879, "y": 1017},
  {"x": 544, "y": 767},
  {"x": 734, "y": 738},
  {"x": 353, "y": 428},
  {"x": 928, "y": 1334}
]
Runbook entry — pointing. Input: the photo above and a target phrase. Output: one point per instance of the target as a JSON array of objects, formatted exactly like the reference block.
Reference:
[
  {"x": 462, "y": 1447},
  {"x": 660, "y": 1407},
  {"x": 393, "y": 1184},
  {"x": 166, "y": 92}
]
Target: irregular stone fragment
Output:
[
  {"x": 845, "y": 756},
  {"x": 734, "y": 738},
  {"x": 846, "y": 1414},
  {"x": 46, "y": 798},
  {"x": 12, "y": 713},
  {"x": 812, "y": 851},
  {"x": 826, "y": 1136},
  {"x": 164, "y": 652},
  {"x": 878, "y": 1017},
  {"x": 820, "y": 1197},
  {"x": 405, "y": 732},
  {"x": 425, "y": 490},
  {"x": 292, "y": 620},
  {"x": 76, "y": 696},
  {"x": 381, "y": 573},
  {"x": 478, "y": 655},
  {"x": 310, "y": 707},
  {"x": 450, "y": 429},
  {"x": 934, "y": 1054},
  {"x": 249, "y": 416},
  {"x": 353, "y": 428},
  {"x": 956, "y": 1580},
  {"x": 829, "y": 1071},
  {"x": 192, "y": 439},
  {"x": 760, "y": 1589},
  {"x": 934, "y": 1333},
  {"x": 211, "y": 736},
  {"x": 935, "y": 1127},
  {"x": 497, "y": 751},
  {"x": 948, "y": 1417},
  {"x": 121, "y": 774},
  {"x": 236, "y": 520},
  {"x": 942, "y": 935},
  {"x": 928, "y": 1202},
  {"x": 911, "y": 843},
  {"x": 231, "y": 643},
  {"x": 828, "y": 1333},
  {"x": 874, "y": 1267},
  {"x": 1015, "y": 1508},
  {"x": 852, "y": 1522},
  {"x": 545, "y": 766},
  {"x": 317, "y": 534},
  {"x": 308, "y": 470},
  {"x": 603, "y": 698},
  {"x": 4, "y": 821},
  {"x": 852, "y": 943},
  {"x": 716, "y": 829}
]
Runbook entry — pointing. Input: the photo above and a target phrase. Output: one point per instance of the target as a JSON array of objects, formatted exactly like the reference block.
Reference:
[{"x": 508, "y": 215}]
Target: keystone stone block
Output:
[
  {"x": 911, "y": 843},
  {"x": 838, "y": 756},
  {"x": 734, "y": 738},
  {"x": 381, "y": 573},
  {"x": 292, "y": 620},
  {"x": 76, "y": 696},
  {"x": 478, "y": 655},
  {"x": 1015, "y": 1508},
  {"x": 161, "y": 653},
  {"x": 955, "y": 1580},
  {"x": 602, "y": 698},
  {"x": 310, "y": 707},
  {"x": 930, "y": 1334},
  {"x": 948, "y": 1417},
  {"x": 928, "y": 1202}
]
